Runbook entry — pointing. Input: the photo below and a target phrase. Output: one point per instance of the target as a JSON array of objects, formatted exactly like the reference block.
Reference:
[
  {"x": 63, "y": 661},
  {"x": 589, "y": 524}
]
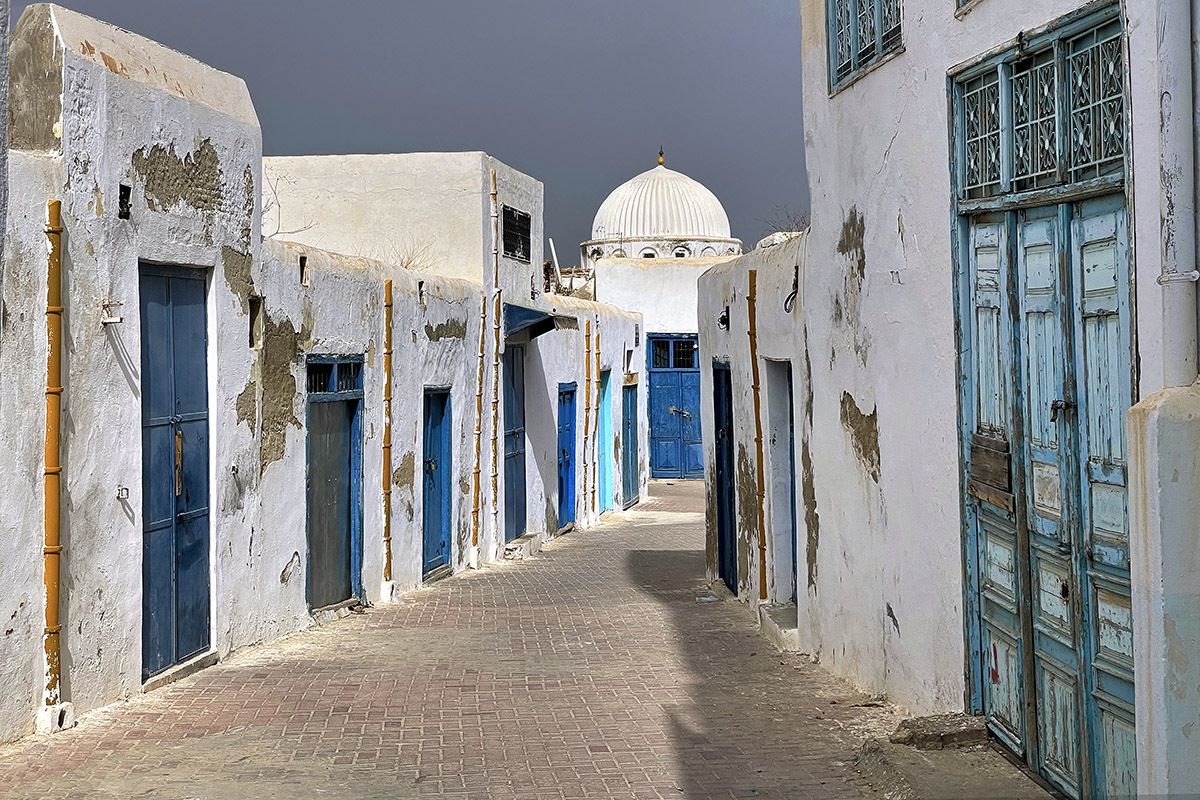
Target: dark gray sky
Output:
[{"x": 578, "y": 94}]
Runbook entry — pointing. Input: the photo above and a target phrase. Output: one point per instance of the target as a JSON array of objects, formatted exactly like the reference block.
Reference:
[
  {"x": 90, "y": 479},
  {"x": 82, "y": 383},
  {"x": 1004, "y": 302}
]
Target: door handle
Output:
[
  {"x": 680, "y": 412},
  {"x": 178, "y": 462},
  {"x": 1059, "y": 405}
]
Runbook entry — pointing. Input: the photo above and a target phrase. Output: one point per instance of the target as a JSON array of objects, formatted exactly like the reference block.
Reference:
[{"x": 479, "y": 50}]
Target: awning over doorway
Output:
[{"x": 535, "y": 320}]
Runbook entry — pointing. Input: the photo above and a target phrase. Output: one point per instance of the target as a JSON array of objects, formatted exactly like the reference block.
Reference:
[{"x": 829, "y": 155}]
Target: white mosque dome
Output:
[{"x": 661, "y": 204}]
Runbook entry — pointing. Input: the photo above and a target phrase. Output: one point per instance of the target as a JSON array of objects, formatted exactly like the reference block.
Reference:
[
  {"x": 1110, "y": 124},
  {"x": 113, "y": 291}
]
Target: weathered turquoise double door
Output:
[{"x": 1049, "y": 376}]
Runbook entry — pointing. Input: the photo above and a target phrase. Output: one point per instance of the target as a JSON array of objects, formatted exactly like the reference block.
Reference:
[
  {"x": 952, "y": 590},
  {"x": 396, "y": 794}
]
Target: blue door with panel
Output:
[
  {"x": 1047, "y": 485},
  {"x": 436, "y": 495},
  {"x": 514, "y": 442},
  {"x": 1040, "y": 132},
  {"x": 334, "y": 527},
  {"x": 630, "y": 470},
  {"x": 724, "y": 476},
  {"x": 605, "y": 435},
  {"x": 175, "y": 496},
  {"x": 675, "y": 443},
  {"x": 566, "y": 454}
]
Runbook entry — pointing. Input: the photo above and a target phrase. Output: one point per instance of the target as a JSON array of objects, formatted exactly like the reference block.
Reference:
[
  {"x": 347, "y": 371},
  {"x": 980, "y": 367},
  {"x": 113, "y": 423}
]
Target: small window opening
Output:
[
  {"x": 660, "y": 354},
  {"x": 684, "y": 352},
  {"x": 637, "y": 335},
  {"x": 681, "y": 252},
  {"x": 124, "y": 201},
  {"x": 320, "y": 377},
  {"x": 649, "y": 254},
  {"x": 304, "y": 270},
  {"x": 517, "y": 235},
  {"x": 256, "y": 322}
]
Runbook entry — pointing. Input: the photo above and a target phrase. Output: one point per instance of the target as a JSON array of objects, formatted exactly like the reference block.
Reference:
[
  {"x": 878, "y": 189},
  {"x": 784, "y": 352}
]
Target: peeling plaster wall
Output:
[
  {"x": 780, "y": 338},
  {"x": 662, "y": 290},
  {"x": 878, "y": 309},
  {"x": 111, "y": 110}
]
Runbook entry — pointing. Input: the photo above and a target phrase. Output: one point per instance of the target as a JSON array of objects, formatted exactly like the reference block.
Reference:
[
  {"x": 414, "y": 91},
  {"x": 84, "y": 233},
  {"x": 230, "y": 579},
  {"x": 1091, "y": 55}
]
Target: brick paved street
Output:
[{"x": 591, "y": 670}]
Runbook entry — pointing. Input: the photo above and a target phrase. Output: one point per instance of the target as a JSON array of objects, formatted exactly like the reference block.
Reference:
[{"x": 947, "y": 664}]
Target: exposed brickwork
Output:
[{"x": 590, "y": 670}]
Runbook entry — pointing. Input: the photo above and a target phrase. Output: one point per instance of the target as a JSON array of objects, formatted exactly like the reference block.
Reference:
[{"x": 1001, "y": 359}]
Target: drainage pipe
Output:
[
  {"x": 752, "y": 316},
  {"x": 478, "y": 425},
  {"x": 587, "y": 403},
  {"x": 387, "y": 430},
  {"x": 496, "y": 357},
  {"x": 52, "y": 549},
  {"x": 1177, "y": 192}
]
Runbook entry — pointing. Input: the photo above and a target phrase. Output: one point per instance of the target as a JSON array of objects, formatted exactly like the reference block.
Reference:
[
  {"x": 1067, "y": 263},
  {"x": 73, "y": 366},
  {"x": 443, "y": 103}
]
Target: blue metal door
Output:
[
  {"x": 175, "y": 539},
  {"x": 606, "y": 441},
  {"x": 630, "y": 471},
  {"x": 726, "y": 499},
  {"x": 1050, "y": 383},
  {"x": 675, "y": 442},
  {"x": 436, "y": 498},
  {"x": 514, "y": 442},
  {"x": 334, "y": 528},
  {"x": 566, "y": 454}
]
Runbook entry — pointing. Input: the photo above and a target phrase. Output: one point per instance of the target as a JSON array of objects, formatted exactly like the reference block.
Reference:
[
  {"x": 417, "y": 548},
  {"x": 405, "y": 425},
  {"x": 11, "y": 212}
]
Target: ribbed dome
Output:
[{"x": 661, "y": 204}]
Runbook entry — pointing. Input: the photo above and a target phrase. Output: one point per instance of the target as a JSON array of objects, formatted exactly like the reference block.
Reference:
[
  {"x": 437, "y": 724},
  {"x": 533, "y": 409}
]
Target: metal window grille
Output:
[
  {"x": 684, "y": 354},
  {"x": 516, "y": 234},
  {"x": 860, "y": 33},
  {"x": 981, "y": 136},
  {"x": 1096, "y": 94},
  {"x": 661, "y": 354},
  {"x": 334, "y": 375},
  {"x": 320, "y": 378},
  {"x": 1034, "y": 87},
  {"x": 1043, "y": 120}
]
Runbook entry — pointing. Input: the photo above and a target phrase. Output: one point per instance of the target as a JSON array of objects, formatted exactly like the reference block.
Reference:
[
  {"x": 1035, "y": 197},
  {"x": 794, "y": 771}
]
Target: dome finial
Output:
[{"x": 660, "y": 156}]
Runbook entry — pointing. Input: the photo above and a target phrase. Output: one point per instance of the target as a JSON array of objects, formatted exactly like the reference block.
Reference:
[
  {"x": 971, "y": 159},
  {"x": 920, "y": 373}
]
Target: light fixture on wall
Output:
[{"x": 723, "y": 319}]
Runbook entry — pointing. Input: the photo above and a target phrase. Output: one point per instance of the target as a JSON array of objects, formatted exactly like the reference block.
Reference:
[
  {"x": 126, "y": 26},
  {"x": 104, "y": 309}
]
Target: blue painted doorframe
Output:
[
  {"x": 437, "y": 497},
  {"x": 514, "y": 442},
  {"x": 566, "y": 454},
  {"x": 630, "y": 469},
  {"x": 334, "y": 480},
  {"x": 674, "y": 373},
  {"x": 605, "y": 436},
  {"x": 175, "y": 496}
]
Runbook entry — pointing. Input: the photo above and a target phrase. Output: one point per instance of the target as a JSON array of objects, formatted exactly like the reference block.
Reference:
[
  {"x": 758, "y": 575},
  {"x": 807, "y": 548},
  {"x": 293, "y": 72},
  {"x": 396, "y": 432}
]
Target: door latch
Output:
[
  {"x": 178, "y": 463},
  {"x": 680, "y": 412},
  {"x": 431, "y": 464},
  {"x": 1059, "y": 405}
]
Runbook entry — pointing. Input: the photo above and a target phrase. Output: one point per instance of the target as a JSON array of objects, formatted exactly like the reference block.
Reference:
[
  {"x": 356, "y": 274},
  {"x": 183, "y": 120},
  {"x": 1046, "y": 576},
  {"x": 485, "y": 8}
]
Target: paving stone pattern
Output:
[{"x": 590, "y": 670}]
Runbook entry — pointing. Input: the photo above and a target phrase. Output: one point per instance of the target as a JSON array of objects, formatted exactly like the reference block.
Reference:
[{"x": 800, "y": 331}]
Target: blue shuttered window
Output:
[{"x": 861, "y": 32}]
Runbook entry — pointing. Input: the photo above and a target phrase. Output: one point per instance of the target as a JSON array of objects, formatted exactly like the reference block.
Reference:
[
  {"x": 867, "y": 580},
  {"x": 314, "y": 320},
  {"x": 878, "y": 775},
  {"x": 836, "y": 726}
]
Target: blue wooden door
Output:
[
  {"x": 514, "y": 442},
  {"x": 630, "y": 470},
  {"x": 566, "y": 454},
  {"x": 605, "y": 435},
  {"x": 436, "y": 497},
  {"x": 175, "y": 539},
  {"x": 1050, "y": 383},
  {"x": 675, "y": 442},
  {"x": 723, "y": 479},
  {"x": 334, "y": 527}
]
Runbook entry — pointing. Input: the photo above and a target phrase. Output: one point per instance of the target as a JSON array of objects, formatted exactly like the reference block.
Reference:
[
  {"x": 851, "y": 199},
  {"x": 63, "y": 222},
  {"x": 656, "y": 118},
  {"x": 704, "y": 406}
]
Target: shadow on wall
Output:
[{"x": 541, "y": 442}]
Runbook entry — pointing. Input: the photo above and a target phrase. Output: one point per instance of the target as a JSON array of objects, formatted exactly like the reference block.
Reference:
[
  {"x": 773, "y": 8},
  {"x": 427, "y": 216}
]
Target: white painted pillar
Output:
[{"x": 1164, "y": 470}]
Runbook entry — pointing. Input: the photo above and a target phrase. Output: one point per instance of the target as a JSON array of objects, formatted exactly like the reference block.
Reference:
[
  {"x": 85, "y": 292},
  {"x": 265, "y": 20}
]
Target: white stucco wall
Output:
[
  {"x": 779, "y": 339},
  {"x": 879, "y": 314},
  {"x": 430, "y": 212},
  {"x": 662, "y": 290}
]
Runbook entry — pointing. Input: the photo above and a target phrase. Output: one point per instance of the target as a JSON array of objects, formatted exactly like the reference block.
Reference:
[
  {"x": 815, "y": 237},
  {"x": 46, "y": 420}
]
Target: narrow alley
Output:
[{"x": 603, "y": 667}]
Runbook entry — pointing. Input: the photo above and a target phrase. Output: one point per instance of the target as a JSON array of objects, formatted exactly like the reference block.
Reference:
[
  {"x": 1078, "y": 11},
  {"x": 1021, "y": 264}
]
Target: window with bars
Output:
[
  {"x": 1046, "y": 116},
  {"x": 516, "y": 234},
  {"x": 861, "y": 32}
]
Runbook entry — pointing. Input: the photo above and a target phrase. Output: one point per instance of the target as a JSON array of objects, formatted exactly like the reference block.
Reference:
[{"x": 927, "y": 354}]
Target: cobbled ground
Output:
[{"x": 602, "y": 667}]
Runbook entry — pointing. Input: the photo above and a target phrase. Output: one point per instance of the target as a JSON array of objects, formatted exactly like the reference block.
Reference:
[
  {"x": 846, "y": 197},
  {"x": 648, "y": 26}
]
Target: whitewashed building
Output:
[
  {"x": 652, "y": 238},
  {"x": 993, "y": 352},
  {"x": 213, "y": 438}
]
